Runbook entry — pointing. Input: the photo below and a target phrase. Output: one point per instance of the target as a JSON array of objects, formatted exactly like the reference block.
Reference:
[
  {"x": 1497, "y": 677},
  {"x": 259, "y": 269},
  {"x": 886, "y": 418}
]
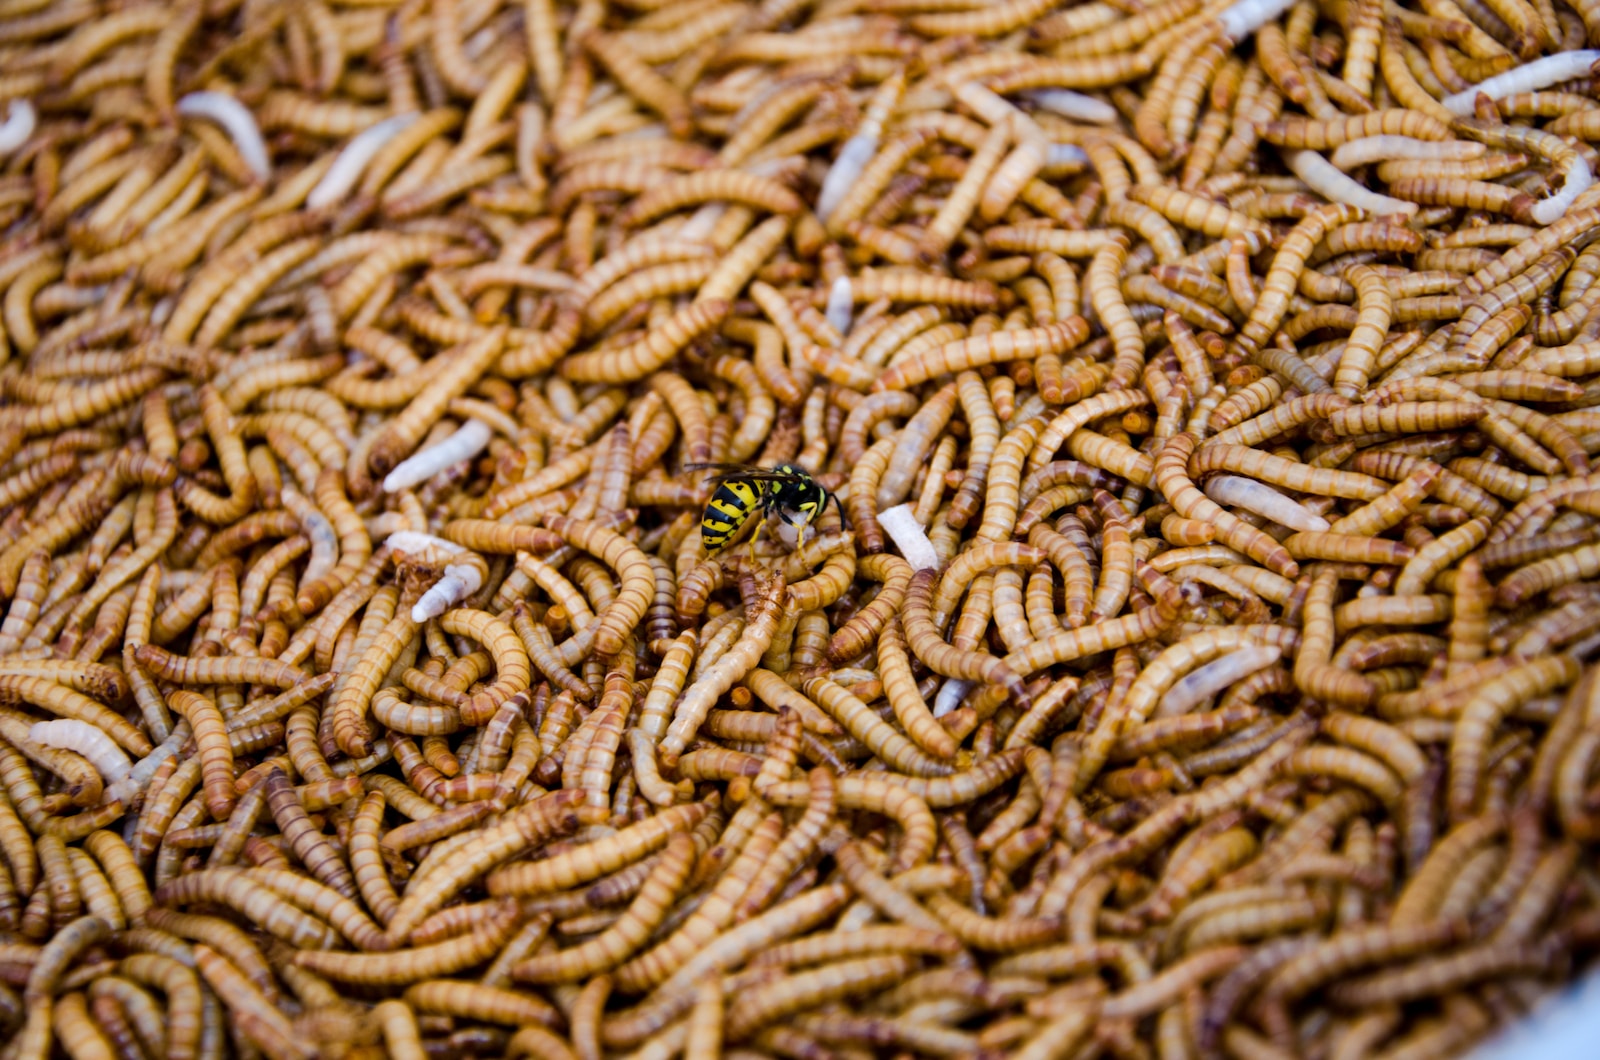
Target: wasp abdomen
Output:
[{"x": 728, "y": 510}]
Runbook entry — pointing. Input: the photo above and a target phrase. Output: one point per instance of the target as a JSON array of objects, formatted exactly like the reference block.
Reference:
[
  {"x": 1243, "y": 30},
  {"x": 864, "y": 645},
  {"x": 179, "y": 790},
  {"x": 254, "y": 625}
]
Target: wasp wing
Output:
[{"x": 726, "y": 472}]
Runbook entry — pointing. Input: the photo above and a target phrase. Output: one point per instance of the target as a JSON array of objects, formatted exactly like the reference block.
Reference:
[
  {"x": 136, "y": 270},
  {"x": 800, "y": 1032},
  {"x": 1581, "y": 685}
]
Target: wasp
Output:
[{"x": 787, "y": 491}]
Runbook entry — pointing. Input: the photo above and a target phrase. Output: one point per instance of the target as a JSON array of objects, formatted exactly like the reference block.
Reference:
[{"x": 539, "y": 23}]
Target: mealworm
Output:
[{"x": 367, "y": 265}]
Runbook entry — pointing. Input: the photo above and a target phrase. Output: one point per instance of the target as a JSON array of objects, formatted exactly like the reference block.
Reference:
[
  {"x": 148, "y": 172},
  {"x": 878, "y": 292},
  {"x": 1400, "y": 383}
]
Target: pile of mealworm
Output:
[{"x": 1198, "y": 661}]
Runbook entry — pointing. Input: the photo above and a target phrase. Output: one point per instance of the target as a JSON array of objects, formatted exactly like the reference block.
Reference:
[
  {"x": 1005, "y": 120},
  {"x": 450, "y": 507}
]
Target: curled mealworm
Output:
[
  {"x": 21, "y": 119},
  {"x": 353, "y": 160},
  {"x": 237, "y": 120}
]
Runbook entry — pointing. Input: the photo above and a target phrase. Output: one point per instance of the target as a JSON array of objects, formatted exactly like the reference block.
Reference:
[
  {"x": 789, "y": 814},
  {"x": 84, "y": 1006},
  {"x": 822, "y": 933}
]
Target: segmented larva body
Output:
[
  {"x": 1529, "y": 77},
  {"x": 460, "y": 580},
  {"x": 1264, "y": 501},
  {"x": 1370, "y": 149},
  {"x": 1328, "y": 180},
  {"x": 1576, "y": 178},
  {"x": 1074, "y": 105},
  {"x": 909, "y": 537},
  {"x": 470, "y": 439},
  {"x": 102, "y": 752},
  {"x": 1243, "y": 18},
  {"x": 347, "y": 169}
]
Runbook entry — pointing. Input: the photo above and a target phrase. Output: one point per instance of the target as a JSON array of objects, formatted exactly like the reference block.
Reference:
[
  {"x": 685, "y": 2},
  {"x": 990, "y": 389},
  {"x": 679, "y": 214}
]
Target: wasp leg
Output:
[{"x": 760, "y": 529}]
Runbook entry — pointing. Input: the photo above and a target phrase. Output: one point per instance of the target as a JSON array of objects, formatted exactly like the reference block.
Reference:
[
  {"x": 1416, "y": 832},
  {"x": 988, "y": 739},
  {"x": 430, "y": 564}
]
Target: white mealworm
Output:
[
  {"x": 773, "y": 168},
  {"x": 480, "y": 42},
  {"x": 1074, "y": 105},
  {"x": 460, "y": 581},
  {"x": 1529, "y": 77},
  {"x": 1264, "y": 501},
  {"x": 901, "y": 526},
  {"x": 467, "y": 442},
  {"x": 1324, "y": 178},
  {"x": 352, "y": 161},
  {"x": 318, "y": 530},
  {"x": 1206, "y": 681},
  {"x": 239, "y": 123},
  {"x": 70, "y": 734},
  {"x": 1370, "y": 149},
  {"x": 1065, "y": 155},
  {"x": 950, "y": 695},
  {"x": 414, "y": 542},
  {"x": 701, "y": 223},
  {"x": 137, "y": 780},
  {"x": 1247, "y": 16},
  {"x": 1576, "y": 179},
  {"x": 855, "y": 154},
  {"x": 21, "y": 119},
  {"x": 841, "y": 304},
  {"x": 845, "y": 171}
]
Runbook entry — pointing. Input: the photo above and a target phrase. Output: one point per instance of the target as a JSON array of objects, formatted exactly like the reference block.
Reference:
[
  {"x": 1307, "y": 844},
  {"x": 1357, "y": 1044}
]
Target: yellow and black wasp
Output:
[{"x": 787, "y": 491}]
